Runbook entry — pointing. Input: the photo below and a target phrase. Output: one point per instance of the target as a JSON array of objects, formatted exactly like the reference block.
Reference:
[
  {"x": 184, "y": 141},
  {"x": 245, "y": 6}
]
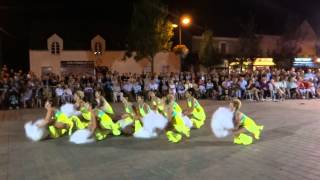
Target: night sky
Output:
[{"x": 29, "y": 24}]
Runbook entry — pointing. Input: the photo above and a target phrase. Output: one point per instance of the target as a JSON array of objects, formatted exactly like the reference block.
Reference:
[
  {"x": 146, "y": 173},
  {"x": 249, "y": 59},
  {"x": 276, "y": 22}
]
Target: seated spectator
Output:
[
  {"x": 137, "y": 89},
  {"x": 117, "y": 94},
  {"x": 59, "y": 93},
  {"x": 278, "y": 90},
  {"x": 272, "y": 90},
  {"x": 172, "y": 88},
  {"x": 67, "y": 95},
  {"x": 13, "y": 97},
  {"x": 292, "y": 86},
  {"x": 310, "y": 89},
  {"x": 264, "y": 88},
  {"x": 164, "y": 88},
  {"x": 181, "y": 90},
  {"x": 242, "y": 87},
  {"x": 301, "y": 88},
  {"x": 127, "y": 89},
  {"x": 88, "y": 93},
  {"x": 202, "y": 89},
  {"x": 27, "y": 97},
  {"x": 252, "y": 91},
  {"x": 226, "y": 88},
  {"x": 209, "y": 88}
]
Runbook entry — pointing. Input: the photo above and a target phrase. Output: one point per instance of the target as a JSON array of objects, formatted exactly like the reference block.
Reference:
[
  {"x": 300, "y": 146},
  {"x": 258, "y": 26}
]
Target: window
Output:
[
  {"x": 223, "y": 48},
  {"x": 97, "y": 48},
  {"x": 55, "y": 48}
]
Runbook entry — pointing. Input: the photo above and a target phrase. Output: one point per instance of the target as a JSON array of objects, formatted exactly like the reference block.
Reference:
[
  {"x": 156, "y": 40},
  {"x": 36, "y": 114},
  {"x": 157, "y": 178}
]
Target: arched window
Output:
[
  {"x": 97, "y": 48},
  {"x": 55, "y": 48}
]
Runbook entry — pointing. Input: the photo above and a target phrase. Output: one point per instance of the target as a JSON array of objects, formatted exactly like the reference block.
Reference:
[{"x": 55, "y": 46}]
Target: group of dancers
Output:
[{"x": 88, "y": 121}]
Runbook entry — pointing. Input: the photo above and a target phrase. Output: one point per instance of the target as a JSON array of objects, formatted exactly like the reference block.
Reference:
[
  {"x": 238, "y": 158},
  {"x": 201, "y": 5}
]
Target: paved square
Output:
[{"x": 289, "y": 149}]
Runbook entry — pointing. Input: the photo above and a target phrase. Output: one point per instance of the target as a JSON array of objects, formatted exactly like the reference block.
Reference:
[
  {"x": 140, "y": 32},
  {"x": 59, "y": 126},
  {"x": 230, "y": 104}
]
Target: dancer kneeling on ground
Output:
[
  {"x": 243, "y": 123},
  {"x": 104, "y": 112},
  {"x": 127, "y": 117},
  {"x": 226, "y": 121},
  {"x": 195, "y": 111},
  {"x": 144, "y": 108},
  {"x": 54, "y": 125},
  {"x": 176, "y": 127}
]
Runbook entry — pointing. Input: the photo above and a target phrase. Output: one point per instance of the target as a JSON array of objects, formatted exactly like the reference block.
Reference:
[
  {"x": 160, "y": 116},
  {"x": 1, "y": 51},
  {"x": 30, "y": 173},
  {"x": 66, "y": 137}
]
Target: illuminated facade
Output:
[
  {"x": 57, "y": 59},
  {"x": 306, "y": 41}
]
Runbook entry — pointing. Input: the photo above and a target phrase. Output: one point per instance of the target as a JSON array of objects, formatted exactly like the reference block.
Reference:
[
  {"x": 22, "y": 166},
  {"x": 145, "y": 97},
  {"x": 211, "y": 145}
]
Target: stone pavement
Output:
[{"x": 289, "y": 149}]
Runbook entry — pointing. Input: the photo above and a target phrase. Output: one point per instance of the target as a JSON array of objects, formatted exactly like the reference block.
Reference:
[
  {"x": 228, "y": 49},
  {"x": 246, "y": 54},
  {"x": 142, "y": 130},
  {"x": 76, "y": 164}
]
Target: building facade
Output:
[
  {"x": 305, "y": 39},
  {"x": 60, "y": 61}
]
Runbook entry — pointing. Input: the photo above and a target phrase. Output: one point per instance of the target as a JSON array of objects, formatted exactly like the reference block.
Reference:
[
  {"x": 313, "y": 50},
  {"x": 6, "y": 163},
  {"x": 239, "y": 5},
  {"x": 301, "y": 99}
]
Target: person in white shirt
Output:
[
  {"x": 59, "y": 93},
  {"x": 127, "y": 89},
  {"x": 67, "y": 94},
  {"x": 116, "y": 91},
  {"x": 172, "y": 88},
  {"x": 209, "y": 88},
  {"x": 137, "y": 89}
]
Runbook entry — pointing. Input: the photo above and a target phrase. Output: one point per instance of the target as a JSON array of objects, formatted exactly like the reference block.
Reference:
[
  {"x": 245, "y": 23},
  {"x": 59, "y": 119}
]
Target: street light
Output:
[{"x": 184, "y": 21}]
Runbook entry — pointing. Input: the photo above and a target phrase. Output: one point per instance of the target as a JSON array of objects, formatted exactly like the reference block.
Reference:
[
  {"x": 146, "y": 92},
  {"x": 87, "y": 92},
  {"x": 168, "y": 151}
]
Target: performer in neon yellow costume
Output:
[
  {"x": 177, "y": 127},
  {"x": 195, "y": 111},
  {"x": 103, "y": 113},
  {"x": 127, "y": 117},
  {"x": 157, "y": 103},
  {"x": 143, "y": 107},
  {"x": 83, "y": 119},
  {"x": 58, "y": 123},
  {"x": 243, "y": 123}
]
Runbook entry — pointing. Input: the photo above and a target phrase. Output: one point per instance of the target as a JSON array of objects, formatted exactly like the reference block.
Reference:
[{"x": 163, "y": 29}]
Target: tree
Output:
[
  {"x": 150, "y": 32},
  {"x": 209, "y": 55},
  {"x": 248, "y": 44},
  {"x": 289, "y": 44}
]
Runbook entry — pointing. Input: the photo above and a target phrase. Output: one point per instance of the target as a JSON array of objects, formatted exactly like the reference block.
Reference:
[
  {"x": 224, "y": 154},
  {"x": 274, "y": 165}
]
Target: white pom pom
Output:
[
  {"x": 68, "y": 109},
  {"x": 33, "y": 132},
  {"x": 222, "y": 122},
  {"x": 187, "y": 121},
  {"x": 153, "y": 121},
  {"x": 82, "y": 136}
]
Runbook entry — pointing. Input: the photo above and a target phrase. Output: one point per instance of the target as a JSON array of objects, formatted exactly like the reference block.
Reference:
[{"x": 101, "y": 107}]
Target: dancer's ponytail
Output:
[{"x": 237, "y": 105}]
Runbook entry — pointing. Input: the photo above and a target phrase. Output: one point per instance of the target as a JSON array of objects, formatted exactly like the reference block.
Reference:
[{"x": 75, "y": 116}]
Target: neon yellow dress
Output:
[
  {"x": 105, "y": 122},
  {"x": 58, "y": 132},
  {"x": 107, "y": 107},
  {"x": 198, "y": 116},
  {"x": 179, "y": 128},
  {"x": 251, "y": 127},
  {"x": 142, "y": 110},
  {"x": 128, "y": 120},
  {"x": 82, "y": 123}
]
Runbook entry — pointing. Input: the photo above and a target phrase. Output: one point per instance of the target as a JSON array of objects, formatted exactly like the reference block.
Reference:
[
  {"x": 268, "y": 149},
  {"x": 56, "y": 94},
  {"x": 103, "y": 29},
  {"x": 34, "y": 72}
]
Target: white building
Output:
[{"x": 61, "y": 61}]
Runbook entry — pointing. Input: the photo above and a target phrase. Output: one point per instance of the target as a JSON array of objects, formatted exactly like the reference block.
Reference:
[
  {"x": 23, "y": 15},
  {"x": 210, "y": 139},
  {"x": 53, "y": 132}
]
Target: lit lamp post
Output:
[{"x": 184, "y": 21}]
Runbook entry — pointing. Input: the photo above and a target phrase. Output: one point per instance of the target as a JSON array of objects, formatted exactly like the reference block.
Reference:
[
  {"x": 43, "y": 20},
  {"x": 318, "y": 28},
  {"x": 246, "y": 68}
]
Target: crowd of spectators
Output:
[{"x": 19, "y": 89}]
